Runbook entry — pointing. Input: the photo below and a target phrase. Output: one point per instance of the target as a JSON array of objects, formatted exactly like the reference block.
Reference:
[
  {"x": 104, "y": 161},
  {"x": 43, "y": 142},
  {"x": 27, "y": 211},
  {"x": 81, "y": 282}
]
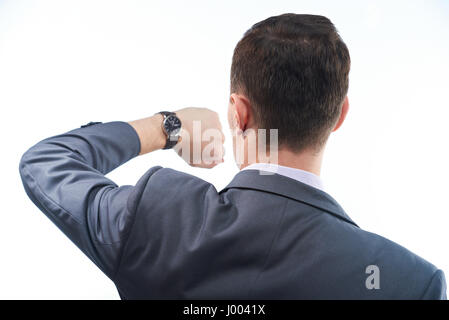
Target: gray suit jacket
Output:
[{"x": 173, "y": 236}]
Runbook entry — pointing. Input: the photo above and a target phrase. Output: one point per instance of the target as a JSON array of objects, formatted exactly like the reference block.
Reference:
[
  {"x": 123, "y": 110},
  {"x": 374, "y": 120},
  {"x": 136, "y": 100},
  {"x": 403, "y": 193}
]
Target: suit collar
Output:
[{"x": 289, "y": 188}]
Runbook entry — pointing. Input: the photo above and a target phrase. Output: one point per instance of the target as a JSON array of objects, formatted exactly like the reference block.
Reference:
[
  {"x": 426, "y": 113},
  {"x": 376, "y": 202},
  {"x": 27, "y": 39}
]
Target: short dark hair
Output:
[{"x": 294, "y": 69}]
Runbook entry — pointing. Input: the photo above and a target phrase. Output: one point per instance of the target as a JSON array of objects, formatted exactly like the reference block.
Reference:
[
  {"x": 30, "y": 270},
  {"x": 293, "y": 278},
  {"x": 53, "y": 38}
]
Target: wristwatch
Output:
[{"x": 171, "y": 125}]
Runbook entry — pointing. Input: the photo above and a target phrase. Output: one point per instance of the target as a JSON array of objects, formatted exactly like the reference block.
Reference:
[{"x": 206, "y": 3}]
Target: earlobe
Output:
[{"x": 344, "y": 112}]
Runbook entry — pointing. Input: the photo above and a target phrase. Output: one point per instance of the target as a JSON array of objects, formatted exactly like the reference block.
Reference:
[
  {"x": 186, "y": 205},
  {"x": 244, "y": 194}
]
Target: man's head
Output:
[{"x": 290, "y": 72}]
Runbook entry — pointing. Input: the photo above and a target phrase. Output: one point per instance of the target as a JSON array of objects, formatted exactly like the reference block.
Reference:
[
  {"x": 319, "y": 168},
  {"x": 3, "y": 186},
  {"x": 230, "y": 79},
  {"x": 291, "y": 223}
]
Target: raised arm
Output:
[{"x": 64, "y": 176}]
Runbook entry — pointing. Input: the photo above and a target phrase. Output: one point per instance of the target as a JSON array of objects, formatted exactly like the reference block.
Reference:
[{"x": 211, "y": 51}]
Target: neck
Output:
[{"x": 307, "y": 160}]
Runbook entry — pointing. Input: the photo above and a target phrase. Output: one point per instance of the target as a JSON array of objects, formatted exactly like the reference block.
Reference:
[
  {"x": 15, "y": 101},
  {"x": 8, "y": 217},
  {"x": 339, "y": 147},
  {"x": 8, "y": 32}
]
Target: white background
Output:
[{"x": 65, "y": 63}]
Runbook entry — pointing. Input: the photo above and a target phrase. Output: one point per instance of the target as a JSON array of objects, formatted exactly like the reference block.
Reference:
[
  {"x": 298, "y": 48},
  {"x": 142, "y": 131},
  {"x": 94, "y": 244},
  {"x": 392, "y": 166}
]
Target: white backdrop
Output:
[{"x": 65, "y": 63}]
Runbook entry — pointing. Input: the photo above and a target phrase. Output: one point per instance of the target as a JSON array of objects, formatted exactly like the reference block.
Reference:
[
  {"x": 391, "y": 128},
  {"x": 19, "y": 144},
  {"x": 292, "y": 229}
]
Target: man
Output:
[{"x": 265, "y": 236}]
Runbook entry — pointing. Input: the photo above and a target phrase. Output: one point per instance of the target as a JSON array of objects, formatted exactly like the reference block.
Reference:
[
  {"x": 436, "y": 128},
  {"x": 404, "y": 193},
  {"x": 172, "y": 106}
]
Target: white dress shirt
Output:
[{"x": 293, "y": 173}]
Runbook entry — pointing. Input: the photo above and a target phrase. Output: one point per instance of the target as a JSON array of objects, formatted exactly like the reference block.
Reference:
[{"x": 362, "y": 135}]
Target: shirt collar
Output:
[{"x": 293, "y": 173}]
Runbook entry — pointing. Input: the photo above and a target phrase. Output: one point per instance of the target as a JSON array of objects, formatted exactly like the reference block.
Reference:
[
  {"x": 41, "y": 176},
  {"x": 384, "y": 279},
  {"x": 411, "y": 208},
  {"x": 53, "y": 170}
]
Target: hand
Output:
[{"x": 202, "y": 138}]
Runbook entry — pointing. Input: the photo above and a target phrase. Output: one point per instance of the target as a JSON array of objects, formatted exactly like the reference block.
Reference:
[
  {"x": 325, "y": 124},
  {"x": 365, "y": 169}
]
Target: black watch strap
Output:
[{"x": 171, "y": 141}]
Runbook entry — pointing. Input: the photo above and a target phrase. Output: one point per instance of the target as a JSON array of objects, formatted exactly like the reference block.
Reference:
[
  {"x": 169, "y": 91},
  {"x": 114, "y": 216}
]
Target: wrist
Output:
[
  {"x": 150, "y": 133},
  {"x": 159, "y": 136}
]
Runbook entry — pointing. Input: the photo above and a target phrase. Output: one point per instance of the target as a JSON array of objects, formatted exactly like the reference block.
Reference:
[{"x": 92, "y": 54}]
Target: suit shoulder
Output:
[
  {"x": 391, "y": 248},
  {"x": 437, "y": 287},
  {"x": 161, "y": 183},
  {"x": 401, "y": 267}
]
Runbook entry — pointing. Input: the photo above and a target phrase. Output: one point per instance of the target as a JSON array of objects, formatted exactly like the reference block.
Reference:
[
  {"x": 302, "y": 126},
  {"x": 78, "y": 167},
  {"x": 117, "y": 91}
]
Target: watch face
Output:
[{"x": 172, "y": 125}]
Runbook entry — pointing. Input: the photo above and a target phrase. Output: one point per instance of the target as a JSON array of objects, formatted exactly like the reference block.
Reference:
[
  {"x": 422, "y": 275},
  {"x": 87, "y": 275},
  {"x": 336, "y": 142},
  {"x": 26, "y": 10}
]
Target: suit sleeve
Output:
[
  {"x": 436, "y": 289},
  {"x": 65, "y": 178}
]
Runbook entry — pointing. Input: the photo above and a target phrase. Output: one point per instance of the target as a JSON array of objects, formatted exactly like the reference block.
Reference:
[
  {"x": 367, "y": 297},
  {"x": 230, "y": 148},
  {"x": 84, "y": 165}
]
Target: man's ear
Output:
[
  {"x": 344, "y": 112},
  {"x": 241, "y": 111}
]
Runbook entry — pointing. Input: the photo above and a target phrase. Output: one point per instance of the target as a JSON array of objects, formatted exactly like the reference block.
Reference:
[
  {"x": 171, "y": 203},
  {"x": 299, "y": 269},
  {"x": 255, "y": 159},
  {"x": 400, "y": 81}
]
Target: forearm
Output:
[{"x": 150, "y": 133}]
